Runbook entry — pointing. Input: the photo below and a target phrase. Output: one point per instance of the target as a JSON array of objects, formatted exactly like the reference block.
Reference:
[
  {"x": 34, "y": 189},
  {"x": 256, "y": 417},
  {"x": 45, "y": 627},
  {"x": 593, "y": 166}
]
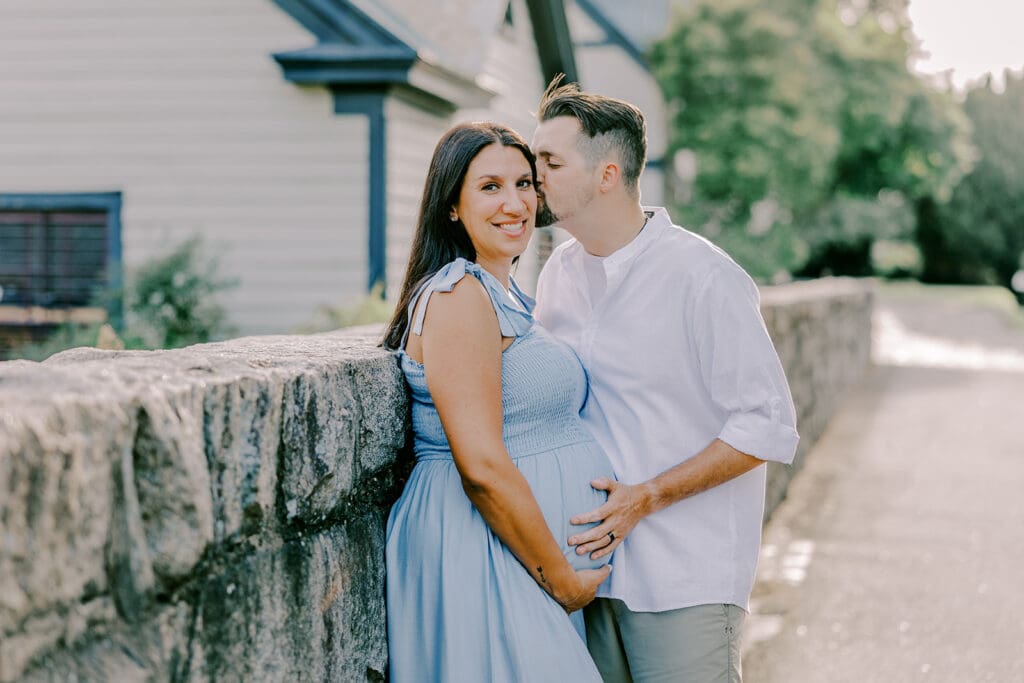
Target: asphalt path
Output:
[{"x": 898, "y": 554}]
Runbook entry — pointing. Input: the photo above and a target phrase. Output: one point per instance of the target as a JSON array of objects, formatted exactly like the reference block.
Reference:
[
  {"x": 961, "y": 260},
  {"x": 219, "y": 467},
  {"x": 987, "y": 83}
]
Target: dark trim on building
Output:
[
  {"x": 554, "y": 41},
  {"x": 338, "y": 21},
  {"x": 371, "y": 104},
  {"x": 614, "y": 34},
  {"x": 354, "y": 51},
  {"x": 337, "y": 64},
  {"x": 352, "y": 48},
  {"x": 100, "y": 201},
  {"x": 604, "y": 42}
]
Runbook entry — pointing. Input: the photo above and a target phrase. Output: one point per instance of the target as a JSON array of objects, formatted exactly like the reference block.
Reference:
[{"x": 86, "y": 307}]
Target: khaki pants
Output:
[{"x": 698, "y": 644}]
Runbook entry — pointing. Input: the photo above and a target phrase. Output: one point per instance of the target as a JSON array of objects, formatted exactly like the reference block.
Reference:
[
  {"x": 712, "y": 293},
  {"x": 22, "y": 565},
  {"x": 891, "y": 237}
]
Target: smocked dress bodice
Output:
[{"x": 543, "y": 383}]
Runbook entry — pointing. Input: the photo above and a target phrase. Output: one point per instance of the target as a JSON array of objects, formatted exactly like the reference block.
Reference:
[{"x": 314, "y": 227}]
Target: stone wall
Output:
[
  {"x": 212, "y": 513},
  {"x": 218, "y": 512},
  {"x": 822, "y": 332}
]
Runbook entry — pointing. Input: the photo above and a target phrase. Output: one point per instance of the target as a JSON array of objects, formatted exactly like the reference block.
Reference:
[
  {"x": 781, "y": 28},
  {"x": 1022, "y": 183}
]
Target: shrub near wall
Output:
[{"x": 217, "y": 513}]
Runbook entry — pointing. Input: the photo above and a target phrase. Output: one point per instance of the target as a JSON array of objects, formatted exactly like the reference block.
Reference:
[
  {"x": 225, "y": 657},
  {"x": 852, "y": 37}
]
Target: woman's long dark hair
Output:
[{"x": 439, "y": 240}]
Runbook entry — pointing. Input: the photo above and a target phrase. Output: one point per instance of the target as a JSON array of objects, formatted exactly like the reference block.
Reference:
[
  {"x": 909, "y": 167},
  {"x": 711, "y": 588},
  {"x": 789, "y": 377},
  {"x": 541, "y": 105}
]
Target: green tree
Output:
[
  {"x": 898, "y": 132},
  {"x": 806, "y": 107},
  {"x": 978, "y": 236},
  {"x": 751, "y": 101},
  {"x": 902, "y": 139}
]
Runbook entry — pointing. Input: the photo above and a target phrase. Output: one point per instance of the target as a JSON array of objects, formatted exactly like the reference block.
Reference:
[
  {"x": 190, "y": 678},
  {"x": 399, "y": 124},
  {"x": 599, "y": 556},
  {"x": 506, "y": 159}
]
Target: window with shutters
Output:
[
  {"x": 55, "y": 258},
  {"x": 57, "y": 253}
]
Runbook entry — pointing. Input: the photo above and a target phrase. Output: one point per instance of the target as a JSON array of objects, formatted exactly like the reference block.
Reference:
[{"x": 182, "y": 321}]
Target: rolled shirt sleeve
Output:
[{"x": 740, "y": 368}]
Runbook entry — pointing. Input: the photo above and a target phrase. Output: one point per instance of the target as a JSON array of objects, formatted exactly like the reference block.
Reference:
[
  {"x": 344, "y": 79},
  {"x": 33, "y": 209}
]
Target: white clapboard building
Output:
[{"x": 293, "y": 136}]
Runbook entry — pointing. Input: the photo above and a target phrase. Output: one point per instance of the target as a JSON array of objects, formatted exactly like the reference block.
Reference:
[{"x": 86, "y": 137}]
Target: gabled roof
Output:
[
  {"x": 355, "y": 52},
  {"x": 612, "y": 30},
  {"x": 364, "y": 45}
]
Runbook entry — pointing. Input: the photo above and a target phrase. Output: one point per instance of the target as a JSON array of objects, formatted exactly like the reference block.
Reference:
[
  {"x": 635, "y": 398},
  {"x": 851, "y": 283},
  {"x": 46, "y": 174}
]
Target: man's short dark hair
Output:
[{"x": 609, "y": 124}]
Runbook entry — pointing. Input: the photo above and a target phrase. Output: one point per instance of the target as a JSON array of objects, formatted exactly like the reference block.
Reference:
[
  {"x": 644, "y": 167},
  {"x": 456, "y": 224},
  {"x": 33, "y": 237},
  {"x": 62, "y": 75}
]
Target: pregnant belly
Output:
[{"x": 560, "y": 481}]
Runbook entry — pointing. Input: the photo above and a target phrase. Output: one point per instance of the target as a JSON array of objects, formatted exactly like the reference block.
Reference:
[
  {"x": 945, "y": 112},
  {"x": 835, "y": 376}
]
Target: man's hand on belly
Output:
[{"x": 626, "y": 506}]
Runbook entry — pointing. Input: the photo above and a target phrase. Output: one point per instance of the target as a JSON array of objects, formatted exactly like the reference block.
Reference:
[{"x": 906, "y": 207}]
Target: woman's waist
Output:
[{"x": 519, "y": 447}]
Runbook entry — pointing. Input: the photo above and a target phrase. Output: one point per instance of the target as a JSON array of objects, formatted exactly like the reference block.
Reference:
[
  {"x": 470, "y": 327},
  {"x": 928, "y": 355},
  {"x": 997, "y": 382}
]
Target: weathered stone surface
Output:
[
  {"x": 57, "y": 451},
  {"x": 309, "y": 610},
  {"x": 129, "y": 563},
  {"x": 155, "y": 650},
  {"x": 241, "y": 440},
  {"x": 172, "y": 478},
  {"x": 319, "y": 431},
  {"x": 148, "y": 483},
  {"x": 381, "y": 432}
]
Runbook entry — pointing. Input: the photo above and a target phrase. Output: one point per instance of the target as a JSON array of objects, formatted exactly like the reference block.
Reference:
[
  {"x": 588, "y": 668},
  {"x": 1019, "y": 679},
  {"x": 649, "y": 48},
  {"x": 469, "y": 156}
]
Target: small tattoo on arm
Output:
[{"x": 540, "y": 571}]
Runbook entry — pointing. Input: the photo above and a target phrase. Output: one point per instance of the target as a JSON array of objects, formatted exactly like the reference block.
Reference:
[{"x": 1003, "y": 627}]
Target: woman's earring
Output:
[{"x": 454, "y": 218}]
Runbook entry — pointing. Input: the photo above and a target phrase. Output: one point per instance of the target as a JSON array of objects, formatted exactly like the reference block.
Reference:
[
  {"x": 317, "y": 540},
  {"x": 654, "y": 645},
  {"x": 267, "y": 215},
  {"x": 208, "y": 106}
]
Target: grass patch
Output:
[{"x": 991, "y": 297}]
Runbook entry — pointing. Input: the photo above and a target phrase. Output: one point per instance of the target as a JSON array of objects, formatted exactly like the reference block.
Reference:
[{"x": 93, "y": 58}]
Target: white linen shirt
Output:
[{"x": 677, "y": 355}]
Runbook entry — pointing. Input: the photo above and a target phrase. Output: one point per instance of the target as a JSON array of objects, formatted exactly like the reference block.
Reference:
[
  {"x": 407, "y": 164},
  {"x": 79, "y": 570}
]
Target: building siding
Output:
[
  {"x": 607, "y": 69},
  {"x": 412, "y": 135},
  {"x": 181, "y": 107}
]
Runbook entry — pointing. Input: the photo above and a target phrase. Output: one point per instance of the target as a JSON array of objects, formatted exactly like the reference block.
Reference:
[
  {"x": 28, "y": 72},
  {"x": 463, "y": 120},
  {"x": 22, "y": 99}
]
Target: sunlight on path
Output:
[{"x": 894, "y": 344}]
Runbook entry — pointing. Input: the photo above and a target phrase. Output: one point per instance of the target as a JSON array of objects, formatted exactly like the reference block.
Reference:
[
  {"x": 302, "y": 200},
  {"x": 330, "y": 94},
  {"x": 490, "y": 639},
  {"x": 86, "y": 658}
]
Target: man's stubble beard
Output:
[{"x": 545, "y": 216}]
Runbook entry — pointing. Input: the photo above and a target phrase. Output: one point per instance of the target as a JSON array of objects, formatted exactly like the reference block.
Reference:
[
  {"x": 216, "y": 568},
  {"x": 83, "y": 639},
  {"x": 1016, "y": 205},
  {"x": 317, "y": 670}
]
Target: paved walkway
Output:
[{"x": 899, "y": 552}]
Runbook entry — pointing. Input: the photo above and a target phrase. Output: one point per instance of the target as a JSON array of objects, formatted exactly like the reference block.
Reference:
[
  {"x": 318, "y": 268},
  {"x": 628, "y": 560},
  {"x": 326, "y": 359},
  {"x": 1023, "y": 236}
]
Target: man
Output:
[{"x": 687, "y": 397}]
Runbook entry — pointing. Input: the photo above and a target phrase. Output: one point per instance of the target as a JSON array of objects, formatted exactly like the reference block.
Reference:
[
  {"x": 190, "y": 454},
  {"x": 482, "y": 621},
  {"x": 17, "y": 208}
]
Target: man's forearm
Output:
[
  {"x": 628, "y": 504},
  {"x": 716, "y": 464}
]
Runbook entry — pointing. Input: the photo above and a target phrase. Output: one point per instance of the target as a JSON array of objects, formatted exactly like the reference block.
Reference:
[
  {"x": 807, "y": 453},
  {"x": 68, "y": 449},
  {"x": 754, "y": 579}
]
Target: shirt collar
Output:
[
  {"x": 655, "y": 226},
  {"x": 617, "y": 264}
]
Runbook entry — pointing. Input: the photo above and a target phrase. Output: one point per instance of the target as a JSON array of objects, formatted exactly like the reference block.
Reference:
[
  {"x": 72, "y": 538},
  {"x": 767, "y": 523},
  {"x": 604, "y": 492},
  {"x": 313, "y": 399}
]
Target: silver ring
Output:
[{"x": 611, "y": 536}]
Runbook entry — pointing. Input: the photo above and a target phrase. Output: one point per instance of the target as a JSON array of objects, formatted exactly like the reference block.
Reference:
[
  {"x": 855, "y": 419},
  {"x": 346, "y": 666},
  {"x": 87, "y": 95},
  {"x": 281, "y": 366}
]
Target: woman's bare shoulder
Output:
[{"x": 466, "y": 312}]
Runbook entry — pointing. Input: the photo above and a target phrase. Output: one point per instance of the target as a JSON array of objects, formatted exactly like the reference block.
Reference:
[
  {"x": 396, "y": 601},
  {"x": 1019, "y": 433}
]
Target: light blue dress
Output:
[{"x": 461, "y": 607}]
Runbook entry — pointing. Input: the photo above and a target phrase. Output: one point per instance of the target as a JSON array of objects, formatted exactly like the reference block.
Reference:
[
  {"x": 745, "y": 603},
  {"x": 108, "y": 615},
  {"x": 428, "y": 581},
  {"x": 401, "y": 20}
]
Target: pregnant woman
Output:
[{"x": 481, "y": 583}]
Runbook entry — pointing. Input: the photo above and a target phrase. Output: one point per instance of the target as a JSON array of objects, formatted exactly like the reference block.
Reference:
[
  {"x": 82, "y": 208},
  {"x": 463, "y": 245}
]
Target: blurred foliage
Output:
[
  {"x": 751, "y": 99},
  {"x": 65, "y": 336},
  {"x": 896, "y": 259},
  {"x": 978, "y": 236},
  {"x": 170, "y": 302},
  {"x": 370, "y": 309},
  {"x": 897, "y": 132},
  {"x": 806, "y": 107},
  {"x": 846, "y": 228}
]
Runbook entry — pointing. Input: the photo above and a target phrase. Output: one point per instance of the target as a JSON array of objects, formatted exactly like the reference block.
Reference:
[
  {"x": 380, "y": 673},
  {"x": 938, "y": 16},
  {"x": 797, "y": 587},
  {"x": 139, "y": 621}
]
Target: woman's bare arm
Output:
[{"x": 461, "y": 347}]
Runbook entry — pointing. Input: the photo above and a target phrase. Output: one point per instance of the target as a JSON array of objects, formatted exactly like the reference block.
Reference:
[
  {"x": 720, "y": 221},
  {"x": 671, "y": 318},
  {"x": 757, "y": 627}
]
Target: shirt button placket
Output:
[
  {"x": 590, "y": 329},
  {"x": 587, "y": 340}
]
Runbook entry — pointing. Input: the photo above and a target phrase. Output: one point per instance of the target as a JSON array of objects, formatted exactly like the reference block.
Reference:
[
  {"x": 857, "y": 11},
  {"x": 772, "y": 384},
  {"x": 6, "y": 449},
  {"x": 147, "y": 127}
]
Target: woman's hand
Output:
[{"x": 586, "y": 588}]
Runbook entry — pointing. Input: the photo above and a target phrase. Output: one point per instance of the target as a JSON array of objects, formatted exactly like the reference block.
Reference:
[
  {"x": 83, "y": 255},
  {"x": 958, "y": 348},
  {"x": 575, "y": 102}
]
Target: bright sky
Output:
[{"x": 971, "y": 38}]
